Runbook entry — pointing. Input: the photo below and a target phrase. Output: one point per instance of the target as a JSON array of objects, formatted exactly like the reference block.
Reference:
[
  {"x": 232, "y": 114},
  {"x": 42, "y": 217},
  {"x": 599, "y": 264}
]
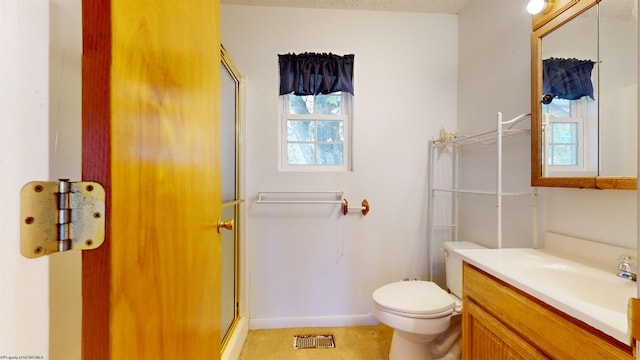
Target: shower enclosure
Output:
[{"x": 230, "y": 140}]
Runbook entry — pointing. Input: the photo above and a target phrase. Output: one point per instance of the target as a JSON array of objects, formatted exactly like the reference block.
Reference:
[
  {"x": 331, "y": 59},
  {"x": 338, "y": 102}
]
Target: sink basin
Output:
[
  {"x": 598, "y": 288},
  {"x": 594, "y": 296}
]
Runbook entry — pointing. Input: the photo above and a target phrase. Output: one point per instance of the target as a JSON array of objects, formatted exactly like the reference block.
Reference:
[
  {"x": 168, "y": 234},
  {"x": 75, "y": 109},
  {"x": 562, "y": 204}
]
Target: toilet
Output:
[{"x": 425, "y": 318}]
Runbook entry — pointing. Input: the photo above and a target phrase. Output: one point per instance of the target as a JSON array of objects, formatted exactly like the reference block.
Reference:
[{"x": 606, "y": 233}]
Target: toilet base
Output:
[{"x": 407, "y": 346}]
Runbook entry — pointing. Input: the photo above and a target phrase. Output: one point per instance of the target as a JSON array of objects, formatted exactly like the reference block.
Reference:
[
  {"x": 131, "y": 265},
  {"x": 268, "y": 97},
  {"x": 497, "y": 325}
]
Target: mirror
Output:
[{"x": 584, "y": 97}]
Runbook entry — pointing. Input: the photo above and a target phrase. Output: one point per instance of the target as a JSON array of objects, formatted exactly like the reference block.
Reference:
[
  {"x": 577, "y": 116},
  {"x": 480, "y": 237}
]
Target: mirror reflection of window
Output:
[
  {"x": 607, "y": 35},
  {"x": 570, "y": 140},
  {"x": 567, "y": 143},
  {"x": 558, "y": 108},
  {"x": 563, "y": 147}
]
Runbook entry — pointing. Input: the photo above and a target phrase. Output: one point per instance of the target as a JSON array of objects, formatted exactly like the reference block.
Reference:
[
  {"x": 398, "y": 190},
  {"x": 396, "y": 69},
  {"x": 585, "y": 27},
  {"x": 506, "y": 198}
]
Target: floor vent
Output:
[{"x": 313, "y": 342}]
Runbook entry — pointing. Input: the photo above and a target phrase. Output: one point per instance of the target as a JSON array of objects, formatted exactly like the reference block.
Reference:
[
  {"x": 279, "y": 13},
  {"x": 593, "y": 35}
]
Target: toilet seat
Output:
[
  {"x": 414, "y": 299},
  {"x": 457, "y": 304}
]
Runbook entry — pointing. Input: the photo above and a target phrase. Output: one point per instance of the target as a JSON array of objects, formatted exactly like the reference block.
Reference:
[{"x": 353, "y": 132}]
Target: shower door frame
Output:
[{"x": 227, "y": 329}]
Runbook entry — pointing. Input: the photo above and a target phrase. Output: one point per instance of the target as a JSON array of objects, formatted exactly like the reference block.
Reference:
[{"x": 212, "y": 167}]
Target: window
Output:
[
  {"x": 563, "y": 142},
  {"x": 316, "y": 132},
  {"x": 316, "y": 93},
  {"x": 568, "y": 142}
]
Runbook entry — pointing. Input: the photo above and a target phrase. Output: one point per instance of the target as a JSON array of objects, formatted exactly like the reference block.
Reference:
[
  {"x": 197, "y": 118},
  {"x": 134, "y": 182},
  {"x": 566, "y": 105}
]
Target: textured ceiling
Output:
[{"x": 422, "y": 6}]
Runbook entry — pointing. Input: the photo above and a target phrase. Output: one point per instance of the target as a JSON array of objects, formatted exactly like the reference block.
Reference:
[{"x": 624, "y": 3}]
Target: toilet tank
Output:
[{"x": 453, "y": 264}]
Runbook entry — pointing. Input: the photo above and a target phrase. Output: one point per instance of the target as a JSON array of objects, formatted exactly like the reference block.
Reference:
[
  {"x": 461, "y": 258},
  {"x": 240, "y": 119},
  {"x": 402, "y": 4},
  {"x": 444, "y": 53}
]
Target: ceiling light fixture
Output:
[{"x": 536, "y": 6}]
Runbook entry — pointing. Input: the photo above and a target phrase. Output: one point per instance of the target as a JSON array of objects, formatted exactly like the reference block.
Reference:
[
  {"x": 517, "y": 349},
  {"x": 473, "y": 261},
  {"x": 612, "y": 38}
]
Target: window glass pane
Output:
[
  {"x": 301, "y": 154},
  {"x": 330, "y": 154},
  {"x": 564, "y": 155},
  {"x": 564, "y": 132},
  {"x": 301, "y": 130},
  {"x": 330, "y": 131},
  {"x": 228, "y": 131},
  {"x": 300, "y": 104},
  {"x": 315, "y": 131},
  {"x": 330, "y": 104}
]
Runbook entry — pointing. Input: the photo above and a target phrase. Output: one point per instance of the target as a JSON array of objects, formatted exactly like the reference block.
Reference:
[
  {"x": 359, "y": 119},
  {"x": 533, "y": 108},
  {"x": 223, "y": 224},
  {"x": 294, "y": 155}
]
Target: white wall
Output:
[
  {"x": 311, "y": 265},
  {"x": 24, "y": 141},
  {"x": 40, "y": 135},
  {"x": 494, "y": 76},
  {"x": 65, "y": 112}
]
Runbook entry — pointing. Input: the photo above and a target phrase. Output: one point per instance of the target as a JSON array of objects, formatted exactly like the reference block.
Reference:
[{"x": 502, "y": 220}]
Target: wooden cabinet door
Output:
[
  {"x": 489, "y": 339},
  {"x": 151, "y": 124}
]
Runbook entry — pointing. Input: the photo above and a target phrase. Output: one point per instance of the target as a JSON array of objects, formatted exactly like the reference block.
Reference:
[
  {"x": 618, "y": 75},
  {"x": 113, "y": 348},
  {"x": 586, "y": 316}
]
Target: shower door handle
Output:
[{"x": 226, "y": 224}]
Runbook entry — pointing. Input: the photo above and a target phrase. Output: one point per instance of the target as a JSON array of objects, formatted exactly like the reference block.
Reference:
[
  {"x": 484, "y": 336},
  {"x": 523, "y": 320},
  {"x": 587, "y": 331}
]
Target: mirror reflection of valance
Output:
[
  {"x": 568, "y": 79},
  {"x": 313, "y": 74}
]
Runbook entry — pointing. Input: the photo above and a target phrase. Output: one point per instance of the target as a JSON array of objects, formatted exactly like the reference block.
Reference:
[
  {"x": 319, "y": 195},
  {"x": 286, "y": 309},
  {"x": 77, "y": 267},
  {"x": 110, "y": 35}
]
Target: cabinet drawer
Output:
[{"x": 554, "y": 333}]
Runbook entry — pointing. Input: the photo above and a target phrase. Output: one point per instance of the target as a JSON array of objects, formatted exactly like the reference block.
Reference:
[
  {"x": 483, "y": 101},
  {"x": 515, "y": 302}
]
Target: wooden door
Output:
[{"x": 151, "y": 119}]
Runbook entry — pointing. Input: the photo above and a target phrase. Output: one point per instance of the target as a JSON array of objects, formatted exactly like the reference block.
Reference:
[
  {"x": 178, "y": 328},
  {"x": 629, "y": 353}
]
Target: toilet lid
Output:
[{"x": 414, "y": 297}]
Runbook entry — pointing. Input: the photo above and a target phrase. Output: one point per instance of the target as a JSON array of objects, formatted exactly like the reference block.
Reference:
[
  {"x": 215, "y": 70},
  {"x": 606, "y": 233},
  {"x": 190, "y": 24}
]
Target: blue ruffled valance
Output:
[
  {"x": 568, "y": 79},
  {"x": 313, "y": 74}
]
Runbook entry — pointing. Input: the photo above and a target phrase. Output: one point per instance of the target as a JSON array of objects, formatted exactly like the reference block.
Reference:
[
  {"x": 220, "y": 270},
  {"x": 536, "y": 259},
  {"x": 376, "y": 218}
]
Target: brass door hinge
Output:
[{"x": 60, "y": 215}]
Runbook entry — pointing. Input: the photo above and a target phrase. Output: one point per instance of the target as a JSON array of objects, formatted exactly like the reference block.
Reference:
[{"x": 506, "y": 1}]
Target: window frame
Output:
[{"x": 346, "y": 117}]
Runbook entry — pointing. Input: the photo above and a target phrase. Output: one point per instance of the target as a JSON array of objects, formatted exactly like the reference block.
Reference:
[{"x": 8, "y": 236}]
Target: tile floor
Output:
[{"x": 352, "y": 343}]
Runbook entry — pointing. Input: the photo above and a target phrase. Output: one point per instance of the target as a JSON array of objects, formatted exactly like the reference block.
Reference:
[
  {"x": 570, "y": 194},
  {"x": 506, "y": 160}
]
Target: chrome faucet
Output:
[{"x": 626, "y": 268}]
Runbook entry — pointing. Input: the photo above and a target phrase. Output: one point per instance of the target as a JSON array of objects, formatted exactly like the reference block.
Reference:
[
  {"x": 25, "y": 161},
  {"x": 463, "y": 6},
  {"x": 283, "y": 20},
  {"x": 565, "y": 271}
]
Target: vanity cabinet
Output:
[{"x": 501, "y": 322}]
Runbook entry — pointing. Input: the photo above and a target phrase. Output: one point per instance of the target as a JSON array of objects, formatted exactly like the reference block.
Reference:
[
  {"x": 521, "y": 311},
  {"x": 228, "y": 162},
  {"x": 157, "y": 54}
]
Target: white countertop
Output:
[{"x": 594, "y": 296}]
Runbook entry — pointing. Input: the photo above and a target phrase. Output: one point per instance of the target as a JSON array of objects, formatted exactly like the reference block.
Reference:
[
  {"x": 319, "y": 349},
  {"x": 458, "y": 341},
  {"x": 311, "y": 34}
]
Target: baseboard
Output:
[
  {"x": 312, "y": 321},
  {"x": 236, "y": 341}
]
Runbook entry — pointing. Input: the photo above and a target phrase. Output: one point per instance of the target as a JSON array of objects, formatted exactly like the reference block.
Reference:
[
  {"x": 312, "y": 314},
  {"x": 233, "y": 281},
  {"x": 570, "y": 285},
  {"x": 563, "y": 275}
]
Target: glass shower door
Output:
[
  {"x": 230, "y": 195},
  {"x": 229, "y": 299}
]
